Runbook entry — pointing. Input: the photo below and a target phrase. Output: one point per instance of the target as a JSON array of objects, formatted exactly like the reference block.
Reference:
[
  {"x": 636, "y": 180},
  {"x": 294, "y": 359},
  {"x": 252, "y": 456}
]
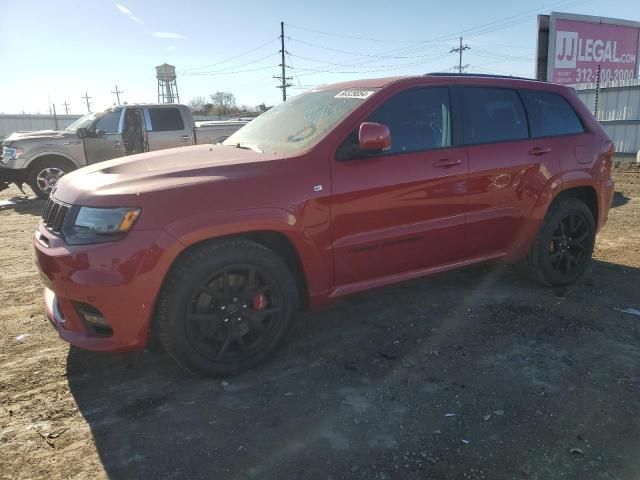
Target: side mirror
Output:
[
  {"x": 374, "y": 137},
  {"x": 82, "y": 133}
]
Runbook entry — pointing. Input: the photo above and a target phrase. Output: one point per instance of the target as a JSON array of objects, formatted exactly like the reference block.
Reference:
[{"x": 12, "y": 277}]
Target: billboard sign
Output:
[{"x": 579, "y": 46}]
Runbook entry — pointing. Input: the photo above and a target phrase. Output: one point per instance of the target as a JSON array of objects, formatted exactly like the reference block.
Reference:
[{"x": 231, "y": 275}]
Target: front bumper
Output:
[
  {"x": 120, "y": 279},
  {"x": 8, "y": 175}
]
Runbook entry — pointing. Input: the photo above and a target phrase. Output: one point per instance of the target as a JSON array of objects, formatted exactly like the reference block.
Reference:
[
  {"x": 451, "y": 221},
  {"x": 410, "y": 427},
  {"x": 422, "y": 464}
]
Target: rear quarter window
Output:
[
  {"x": 165, "y": 119},
  {"x": 550, "y": 114},
  {"x": 493, "y": 115}
]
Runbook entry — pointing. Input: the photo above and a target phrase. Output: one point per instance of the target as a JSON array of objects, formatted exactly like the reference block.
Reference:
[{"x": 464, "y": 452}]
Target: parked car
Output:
[
  {"x": 348, "y": 187},
  {"x": 41, "y": 158}
]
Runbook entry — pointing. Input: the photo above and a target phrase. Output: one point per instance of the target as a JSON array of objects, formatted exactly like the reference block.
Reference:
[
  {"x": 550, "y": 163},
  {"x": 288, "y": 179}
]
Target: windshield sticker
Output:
[{"x": 354, "y": 93}]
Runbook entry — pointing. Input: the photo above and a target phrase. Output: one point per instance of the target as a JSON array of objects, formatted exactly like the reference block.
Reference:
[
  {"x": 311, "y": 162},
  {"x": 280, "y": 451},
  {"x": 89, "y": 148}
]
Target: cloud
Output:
[
  {"x": 169, "y": 35},
  {"x": 125, "y": 11},
  {"x": 172, "y": 48}
]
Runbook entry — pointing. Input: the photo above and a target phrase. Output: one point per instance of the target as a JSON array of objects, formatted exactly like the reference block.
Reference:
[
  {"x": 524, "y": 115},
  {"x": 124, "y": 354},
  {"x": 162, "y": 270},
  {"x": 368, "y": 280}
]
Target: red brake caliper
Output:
[{"x": 259, "y": 302}]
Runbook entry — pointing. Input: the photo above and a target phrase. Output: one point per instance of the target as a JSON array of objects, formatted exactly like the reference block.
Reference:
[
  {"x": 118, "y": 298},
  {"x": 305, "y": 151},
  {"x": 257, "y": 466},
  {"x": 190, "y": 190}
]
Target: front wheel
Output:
[
  {"x": 563, "y": 247},
  {"x": 44, "y": 175},
  {"x": 226, "y": 307}
]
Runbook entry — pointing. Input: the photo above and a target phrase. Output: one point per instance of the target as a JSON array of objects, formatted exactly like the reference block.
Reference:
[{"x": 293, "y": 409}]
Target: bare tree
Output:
[
  {"x": 224, "y": 102},
  {"x": 199, "y": 106}
]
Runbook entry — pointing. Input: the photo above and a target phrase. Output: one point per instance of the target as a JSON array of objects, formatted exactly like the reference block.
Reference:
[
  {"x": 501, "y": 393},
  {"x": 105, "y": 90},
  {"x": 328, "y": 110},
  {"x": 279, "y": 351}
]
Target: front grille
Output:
[{"x": 54, "y": 215}]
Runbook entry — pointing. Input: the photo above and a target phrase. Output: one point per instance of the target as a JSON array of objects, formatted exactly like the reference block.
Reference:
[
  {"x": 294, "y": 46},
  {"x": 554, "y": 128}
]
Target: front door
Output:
[
  {"x": 105, "y": 138},
  {"x": 166, "y": 128},
  {"x": 404, "y": 209}
]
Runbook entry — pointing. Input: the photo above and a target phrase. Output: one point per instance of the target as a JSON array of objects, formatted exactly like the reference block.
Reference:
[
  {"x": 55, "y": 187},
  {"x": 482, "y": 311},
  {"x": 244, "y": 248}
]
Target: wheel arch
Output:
[
  {"x": 43, "y": 157},
  {"x": 274, "y": 240},
  {"x": 585, "y": 193}
]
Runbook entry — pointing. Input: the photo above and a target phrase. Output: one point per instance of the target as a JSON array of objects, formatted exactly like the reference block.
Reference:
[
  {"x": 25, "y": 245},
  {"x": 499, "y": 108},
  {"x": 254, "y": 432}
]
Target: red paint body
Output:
[{"x": 375, "y": 221}]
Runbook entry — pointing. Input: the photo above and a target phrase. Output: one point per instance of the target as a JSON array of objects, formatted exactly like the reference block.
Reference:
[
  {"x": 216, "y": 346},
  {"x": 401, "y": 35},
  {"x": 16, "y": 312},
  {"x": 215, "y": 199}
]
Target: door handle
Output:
[
  {"x": 447, "y": 162},
  {"x": 537, "y": 151},
  {"x": 185, "y": 138}
]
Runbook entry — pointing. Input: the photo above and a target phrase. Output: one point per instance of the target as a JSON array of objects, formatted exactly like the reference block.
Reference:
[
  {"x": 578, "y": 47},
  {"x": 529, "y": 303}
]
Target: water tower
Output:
[{"x": 167, "y": 85}]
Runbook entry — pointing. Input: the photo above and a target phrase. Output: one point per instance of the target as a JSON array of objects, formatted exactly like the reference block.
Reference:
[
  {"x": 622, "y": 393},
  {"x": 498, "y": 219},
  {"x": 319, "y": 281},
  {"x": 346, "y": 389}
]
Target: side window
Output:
[
  {"x": 493, "y": 115},
  {"x": 165, "y": 119},
  {"x": 109, "y": 121},
  {"x": 550, "y": 114},
  {"x": 418, "y": 119}
]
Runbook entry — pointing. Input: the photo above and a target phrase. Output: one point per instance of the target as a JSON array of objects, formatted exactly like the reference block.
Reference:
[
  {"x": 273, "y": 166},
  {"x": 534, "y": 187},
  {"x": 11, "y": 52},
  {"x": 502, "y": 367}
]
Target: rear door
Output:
[
  {"x": 404, "y": 209},
  {"x": 166, "y": 128},
  {"x": 105, "y": 137},
  {"x": 507, "y": 168}
]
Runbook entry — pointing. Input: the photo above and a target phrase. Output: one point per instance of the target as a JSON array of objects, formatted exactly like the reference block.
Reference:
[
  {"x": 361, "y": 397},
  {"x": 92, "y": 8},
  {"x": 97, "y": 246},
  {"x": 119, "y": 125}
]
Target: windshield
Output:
[
  {"x": 299, "y": 123},
  {"x": 83, "y": 122}
]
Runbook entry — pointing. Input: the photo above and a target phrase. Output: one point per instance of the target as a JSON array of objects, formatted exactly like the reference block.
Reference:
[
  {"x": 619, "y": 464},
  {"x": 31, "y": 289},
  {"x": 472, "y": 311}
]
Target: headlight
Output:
[
  {"x": 96, "y": 225},
  {"x": 10, "y": 153}
]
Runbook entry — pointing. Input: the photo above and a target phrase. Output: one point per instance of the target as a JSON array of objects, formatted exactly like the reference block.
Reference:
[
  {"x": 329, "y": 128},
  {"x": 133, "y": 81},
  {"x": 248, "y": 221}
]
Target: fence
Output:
[
  {"x": 618, "y": 113},
  {"x": 25, "y": 123}
]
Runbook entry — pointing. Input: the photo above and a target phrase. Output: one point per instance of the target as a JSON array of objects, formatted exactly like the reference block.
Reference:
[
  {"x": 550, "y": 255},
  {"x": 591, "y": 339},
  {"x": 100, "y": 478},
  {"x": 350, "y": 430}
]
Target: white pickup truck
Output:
[{"x": 41, "y": 158}]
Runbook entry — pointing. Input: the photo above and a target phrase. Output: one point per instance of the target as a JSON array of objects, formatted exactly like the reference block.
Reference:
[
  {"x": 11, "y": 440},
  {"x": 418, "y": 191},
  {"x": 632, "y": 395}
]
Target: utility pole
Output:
[
  {"x": 283, "y": 79},
  {"x": 87, "y": 98},
  {"x": 117, "y": 93},
  {"x": 55, "y": 116},
  {"x": 66, "y": 107},
  {"x": 459, "y": 50}
]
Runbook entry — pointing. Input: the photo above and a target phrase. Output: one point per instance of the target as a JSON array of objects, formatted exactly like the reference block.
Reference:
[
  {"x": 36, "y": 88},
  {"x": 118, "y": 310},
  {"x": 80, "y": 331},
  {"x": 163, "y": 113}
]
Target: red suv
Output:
[{"x": 341, "y": 189}]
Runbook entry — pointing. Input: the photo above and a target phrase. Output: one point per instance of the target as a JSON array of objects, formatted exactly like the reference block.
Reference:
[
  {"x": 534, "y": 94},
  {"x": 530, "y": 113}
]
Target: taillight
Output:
[{"x": 607, "y": 161}]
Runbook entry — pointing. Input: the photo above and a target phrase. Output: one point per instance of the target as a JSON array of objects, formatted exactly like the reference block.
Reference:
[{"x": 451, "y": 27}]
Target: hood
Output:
[
  {"x": 17, "y": 136},
  {"x": 160, "y": 171}
]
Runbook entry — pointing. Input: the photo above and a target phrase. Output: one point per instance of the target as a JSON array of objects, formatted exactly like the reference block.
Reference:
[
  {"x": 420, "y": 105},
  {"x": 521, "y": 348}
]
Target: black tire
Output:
[
  {"x": 556, "y": 258},
  {"x": 196, "y": 316},
  {"x": 39, "y": 181}
]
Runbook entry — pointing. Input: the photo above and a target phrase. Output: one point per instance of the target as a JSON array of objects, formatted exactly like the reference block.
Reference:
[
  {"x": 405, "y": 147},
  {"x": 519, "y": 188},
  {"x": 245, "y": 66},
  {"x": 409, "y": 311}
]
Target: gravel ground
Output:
[{"x": 476, "y": 374}]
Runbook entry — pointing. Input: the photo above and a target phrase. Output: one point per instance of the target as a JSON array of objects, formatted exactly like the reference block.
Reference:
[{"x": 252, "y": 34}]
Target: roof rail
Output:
[{"x": 481, "y": 75}]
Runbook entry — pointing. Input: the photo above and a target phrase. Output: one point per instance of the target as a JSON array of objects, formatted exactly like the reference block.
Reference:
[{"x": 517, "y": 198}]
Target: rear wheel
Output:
[
  {"x": 44, "y": 175},
  {"x": 564, "y": 244},
  {"x": 226, "y": 307}
]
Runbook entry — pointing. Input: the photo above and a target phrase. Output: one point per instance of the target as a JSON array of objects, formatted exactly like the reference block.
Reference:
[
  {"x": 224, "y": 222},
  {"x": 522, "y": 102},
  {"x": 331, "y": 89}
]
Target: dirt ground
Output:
[{"x": 476, "y": 374}]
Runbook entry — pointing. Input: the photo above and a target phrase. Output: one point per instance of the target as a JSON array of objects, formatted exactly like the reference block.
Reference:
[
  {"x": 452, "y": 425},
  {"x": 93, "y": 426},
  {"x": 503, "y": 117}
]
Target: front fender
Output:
[
  {"x": 32, "y": 155},
  {"x": 315, "y": 258}
]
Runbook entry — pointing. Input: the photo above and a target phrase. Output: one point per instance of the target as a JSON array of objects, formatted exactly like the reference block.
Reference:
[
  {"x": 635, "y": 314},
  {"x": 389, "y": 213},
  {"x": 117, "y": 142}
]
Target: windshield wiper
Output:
[{"x": 249, "y": 146}]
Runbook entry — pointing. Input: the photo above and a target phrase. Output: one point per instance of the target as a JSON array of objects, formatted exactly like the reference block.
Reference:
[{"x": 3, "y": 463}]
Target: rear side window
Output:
[
  {"x": 418, "y": 119},
  {"x": 550, "y": 114},
  {"x": 165, "y": 119},
  {"x": 493, "y": 115}
]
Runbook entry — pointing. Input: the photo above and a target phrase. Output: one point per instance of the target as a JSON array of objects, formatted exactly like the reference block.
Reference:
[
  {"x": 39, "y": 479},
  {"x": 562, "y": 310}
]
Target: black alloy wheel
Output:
[
  {"x": 225, "y": 307},
  {"x": 570, "y": 244},
  {"x": 562, "y": 249},
  {"x": 233, "y": 313}
]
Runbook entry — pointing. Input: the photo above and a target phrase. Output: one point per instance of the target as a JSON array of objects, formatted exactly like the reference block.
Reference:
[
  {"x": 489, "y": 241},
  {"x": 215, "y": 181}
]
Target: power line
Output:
[
  {"x": 233, "y": 67},
  {"x": 353, "y": 37},
  {"x": 235, "y": 72},
  {"x": 233, "y": 57}
]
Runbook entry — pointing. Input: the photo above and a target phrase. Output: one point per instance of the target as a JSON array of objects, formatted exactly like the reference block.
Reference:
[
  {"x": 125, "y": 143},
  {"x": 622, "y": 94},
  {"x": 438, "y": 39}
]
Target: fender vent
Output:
[{"x": 54, "y": 215}]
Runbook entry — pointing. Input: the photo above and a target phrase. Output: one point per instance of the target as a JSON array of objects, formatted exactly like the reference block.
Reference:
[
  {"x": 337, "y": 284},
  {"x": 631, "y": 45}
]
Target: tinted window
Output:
[
  {"x": 550, "y": 114},
  {"x": 493, "y": 115},
  {"x": 165, "y": 119},
  {"x": 108, "y": 121},
  {"x": 419, "y": 119}
]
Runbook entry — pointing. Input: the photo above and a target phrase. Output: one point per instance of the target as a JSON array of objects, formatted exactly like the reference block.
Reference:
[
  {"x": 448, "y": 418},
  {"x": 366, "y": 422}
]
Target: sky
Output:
[{"x": 55, "y": 52}]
